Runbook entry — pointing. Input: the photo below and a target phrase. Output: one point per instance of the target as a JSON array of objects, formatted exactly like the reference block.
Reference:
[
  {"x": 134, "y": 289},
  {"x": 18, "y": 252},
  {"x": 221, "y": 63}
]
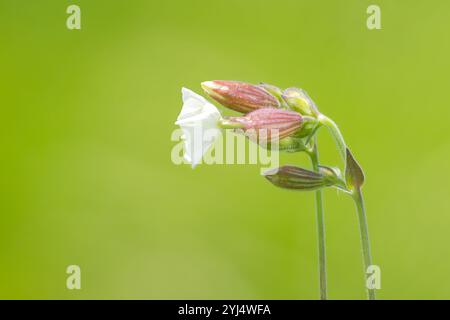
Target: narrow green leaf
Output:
[{"x": 354, "y": 174}]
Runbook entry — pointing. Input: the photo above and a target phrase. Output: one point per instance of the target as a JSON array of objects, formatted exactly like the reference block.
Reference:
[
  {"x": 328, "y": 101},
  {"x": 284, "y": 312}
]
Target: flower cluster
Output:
[
  {"x": 269, "y": 114},
  {"x": 266, "y": 118},
  {"x": 284, "y": 119}
]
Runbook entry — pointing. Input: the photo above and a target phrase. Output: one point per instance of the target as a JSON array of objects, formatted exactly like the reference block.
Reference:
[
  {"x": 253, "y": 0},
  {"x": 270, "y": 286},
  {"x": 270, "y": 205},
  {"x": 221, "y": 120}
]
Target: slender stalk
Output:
[
  {"x": 314, "y": 156},
  {"x": 357, "y": 197},
  {"x": 359, "y": 202},
  {"x": 336, "y": 133}
]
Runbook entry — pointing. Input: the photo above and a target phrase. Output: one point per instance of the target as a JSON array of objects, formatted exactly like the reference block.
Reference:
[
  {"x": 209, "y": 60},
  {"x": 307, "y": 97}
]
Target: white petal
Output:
[
  {"x": 197, "y": 118},
  {"x": 188, "y": 94},
  {"x": 192, "y": 104}
]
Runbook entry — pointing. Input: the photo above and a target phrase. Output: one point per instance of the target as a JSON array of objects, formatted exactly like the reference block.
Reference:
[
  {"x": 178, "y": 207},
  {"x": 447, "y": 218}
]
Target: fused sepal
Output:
[
  {"x": 268, "y": 123},
  {"x": 240, "y": 96},
  {"x": 298, "y": 100},
  {"x": 295, "y": 178},
  {"x": 334, "y": 177},
  {"x": 288, "y": 144},
  {"x": 275, "y": 91}
]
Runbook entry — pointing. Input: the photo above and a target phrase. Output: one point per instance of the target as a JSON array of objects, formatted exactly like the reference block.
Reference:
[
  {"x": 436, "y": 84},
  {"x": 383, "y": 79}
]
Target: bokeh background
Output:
[{"x": 86, "y": 171}]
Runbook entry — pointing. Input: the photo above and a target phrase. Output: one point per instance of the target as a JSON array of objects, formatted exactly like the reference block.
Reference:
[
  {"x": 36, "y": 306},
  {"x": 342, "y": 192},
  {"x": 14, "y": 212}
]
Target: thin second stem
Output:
[
  {"x": 367, "y": 257},
  {"x": 314, "y": 156}
]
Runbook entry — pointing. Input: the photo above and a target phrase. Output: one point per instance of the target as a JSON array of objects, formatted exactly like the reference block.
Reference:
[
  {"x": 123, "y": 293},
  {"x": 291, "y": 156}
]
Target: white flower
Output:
[{"x": 198, "y": 120}]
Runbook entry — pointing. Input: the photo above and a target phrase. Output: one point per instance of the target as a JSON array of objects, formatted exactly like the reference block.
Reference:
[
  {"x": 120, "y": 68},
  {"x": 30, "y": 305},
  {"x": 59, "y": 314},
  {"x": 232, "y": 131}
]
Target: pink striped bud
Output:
[
  {"x": 291, "y": 177},
  {"x": 268, "y": 123},
  {"x": 240, "y": 96}
]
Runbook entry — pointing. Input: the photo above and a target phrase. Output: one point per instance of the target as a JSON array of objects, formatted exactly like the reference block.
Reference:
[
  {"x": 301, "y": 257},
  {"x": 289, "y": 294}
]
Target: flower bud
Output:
[
  {"x": 240, "y": 96},
  {"x": 268, "y": 123},
  {"x": 291, "y": 177},
  {"x": 273, "y": 90},
  {"x": 298, "y": 100}
]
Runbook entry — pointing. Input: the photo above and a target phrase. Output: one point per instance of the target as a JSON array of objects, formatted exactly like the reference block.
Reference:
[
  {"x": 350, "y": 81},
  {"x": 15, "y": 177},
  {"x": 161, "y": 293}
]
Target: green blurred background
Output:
[{"x": 87, "y": 177}]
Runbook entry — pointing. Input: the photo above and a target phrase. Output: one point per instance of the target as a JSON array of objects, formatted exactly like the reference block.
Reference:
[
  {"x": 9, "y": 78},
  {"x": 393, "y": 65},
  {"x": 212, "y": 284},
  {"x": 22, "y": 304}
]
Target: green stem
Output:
[
  {"x": 334, "y": 129},
  {"x": 314, "y": 156},
  {"x": 359, "y": 202}
]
